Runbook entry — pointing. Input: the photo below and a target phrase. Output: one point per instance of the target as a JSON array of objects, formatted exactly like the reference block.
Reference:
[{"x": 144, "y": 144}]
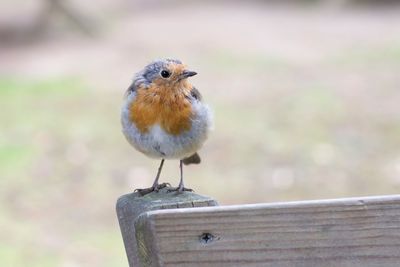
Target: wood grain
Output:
[
  {"x": 131, "y": 206},
  {"x": 344, "y": 232}
]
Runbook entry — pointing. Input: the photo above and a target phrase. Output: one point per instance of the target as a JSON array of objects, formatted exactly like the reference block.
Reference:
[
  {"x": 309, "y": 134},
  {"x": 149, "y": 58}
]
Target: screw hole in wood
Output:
[{"x": 206, "y": 238}]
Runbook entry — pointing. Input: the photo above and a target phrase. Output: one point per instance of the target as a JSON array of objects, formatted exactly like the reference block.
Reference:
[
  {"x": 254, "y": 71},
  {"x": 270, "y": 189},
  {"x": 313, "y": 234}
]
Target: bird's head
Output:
[{"x": 165, "y": 73}]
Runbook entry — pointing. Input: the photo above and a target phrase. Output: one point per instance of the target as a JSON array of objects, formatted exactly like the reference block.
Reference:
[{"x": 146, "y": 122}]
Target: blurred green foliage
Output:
[{"x": 39, "y": 121}]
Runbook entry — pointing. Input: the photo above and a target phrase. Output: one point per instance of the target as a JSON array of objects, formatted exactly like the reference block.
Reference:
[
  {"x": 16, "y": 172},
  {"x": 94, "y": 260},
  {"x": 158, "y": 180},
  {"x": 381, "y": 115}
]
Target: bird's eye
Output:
[{"x": 165, "y": 74}]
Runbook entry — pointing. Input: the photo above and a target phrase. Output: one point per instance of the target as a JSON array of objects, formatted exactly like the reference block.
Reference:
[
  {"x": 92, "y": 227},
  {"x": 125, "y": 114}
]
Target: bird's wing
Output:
[
  {"x": 131, "y": 89},
  {"x": 196, "y": 94}
]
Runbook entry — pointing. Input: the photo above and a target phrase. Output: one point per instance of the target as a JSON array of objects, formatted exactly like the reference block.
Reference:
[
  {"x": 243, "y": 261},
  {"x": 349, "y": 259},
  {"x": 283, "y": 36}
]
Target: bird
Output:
[{"x": 164, "y": 117}]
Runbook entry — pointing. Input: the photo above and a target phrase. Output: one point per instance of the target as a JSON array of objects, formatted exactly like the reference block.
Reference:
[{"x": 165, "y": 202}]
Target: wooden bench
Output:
[{"x": 164, "y": 229}]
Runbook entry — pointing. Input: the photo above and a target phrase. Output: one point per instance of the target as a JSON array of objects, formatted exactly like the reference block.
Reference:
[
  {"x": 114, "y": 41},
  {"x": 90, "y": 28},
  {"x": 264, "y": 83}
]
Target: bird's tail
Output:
[{"x": 193, "y": 159}]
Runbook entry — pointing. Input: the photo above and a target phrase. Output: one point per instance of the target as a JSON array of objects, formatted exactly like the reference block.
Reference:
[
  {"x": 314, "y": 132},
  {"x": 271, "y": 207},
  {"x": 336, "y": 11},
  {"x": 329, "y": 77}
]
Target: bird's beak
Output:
[{"x": 187, "y": 73}]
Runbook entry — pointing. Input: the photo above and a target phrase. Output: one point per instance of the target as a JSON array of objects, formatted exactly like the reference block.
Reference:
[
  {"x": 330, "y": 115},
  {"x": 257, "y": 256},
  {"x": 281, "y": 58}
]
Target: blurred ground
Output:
[{"x": 306, "y": 102}]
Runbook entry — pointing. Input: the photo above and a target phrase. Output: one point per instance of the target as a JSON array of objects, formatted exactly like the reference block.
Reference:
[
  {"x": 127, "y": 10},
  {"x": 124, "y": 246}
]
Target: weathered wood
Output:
[
  {"x": 130, "y": 206},
  {"x": 345, "y": 232}
]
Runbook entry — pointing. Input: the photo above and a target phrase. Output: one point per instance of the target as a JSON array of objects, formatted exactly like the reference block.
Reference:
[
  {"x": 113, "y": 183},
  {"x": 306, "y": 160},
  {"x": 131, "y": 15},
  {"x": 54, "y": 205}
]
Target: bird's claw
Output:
[
  {"x": 154, "y": 188},
  {"x": 179, "y": 189}
]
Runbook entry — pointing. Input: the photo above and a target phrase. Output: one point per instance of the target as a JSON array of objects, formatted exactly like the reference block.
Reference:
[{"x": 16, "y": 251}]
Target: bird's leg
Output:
[
  {"x": 155, "y": 187},
  {"x": 180, "y": 187},
  {"x": 155, "y": 183}
]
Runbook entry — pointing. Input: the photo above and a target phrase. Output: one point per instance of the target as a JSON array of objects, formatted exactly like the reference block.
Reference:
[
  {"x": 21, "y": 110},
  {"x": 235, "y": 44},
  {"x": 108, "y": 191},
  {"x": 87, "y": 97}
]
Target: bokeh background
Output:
[{"x": 305, "y": 95}]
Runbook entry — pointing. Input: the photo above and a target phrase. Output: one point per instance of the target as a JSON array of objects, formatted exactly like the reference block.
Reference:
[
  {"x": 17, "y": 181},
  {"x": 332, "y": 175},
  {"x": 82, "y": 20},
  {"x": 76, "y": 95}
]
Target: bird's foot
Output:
[
  {"x": 179, "y": 189},
  {"x": 154, "y": 188}
]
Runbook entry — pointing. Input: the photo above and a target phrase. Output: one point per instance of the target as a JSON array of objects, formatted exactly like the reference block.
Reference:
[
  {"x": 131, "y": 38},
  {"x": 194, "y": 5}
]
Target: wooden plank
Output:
[
  {"x": 344, "y": 232},
  {"x": 130, "y": 206}
]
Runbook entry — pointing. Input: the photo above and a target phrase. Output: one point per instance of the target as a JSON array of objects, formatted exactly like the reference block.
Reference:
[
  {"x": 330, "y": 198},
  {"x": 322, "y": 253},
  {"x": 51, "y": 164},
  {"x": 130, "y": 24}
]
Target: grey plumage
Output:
[
  {"x": 196, "y": 94},
  {"x": 152, "y": 70},
  {"x": 149, "y": 73}
]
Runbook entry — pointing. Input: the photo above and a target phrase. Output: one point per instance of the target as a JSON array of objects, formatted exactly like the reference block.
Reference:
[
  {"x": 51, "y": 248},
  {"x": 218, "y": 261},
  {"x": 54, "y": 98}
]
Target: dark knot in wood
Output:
[{"x": 206, "y": 238}]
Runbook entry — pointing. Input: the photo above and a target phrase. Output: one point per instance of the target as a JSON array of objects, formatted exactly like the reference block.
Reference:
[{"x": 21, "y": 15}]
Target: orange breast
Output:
[{"x": 168, "y": 108}]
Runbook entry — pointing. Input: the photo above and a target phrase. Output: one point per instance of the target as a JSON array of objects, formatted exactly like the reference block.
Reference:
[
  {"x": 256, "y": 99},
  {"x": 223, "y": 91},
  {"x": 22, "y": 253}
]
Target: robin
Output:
[{"x": 164, "y": 117}]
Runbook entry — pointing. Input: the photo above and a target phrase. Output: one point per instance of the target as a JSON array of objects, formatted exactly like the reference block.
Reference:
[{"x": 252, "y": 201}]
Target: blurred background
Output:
[{"x": 305, "y": 96}]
